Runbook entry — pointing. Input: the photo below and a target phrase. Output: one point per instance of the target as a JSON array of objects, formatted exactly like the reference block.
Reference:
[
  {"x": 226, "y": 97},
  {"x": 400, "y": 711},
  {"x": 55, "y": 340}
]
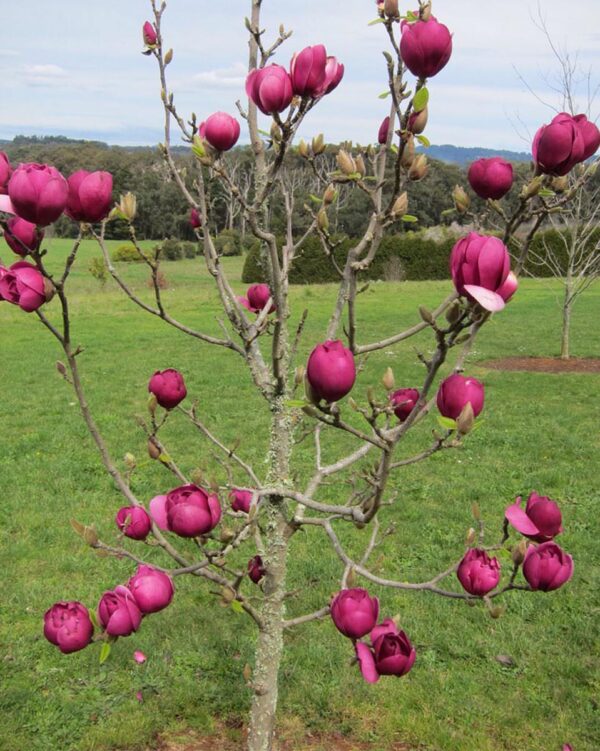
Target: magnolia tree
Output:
[{"x": 267, "y": 508}]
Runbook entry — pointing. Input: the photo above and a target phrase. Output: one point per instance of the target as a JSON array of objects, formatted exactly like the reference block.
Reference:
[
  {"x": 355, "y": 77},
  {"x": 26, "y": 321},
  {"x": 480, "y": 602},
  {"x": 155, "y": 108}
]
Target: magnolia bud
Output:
[
  {"x": 426, "y": 314},
  {"x": 388, "y": 379},
  {"x": 299, "y": 375},
  {"x": 425, "y": 13},
  {"x": 466, "y": 419},
  {"x": 400, "y": 206},
  {"x": 419, "y": 168},
  {"x": 198, "y": 147},
  {"x": 61, "y": 367},
  {"x": 323, "y": 220},
  {"x": 453, "y": 312},
  {"x": 470, "y": 536},
  {"x": 318, "y": 144},
  {"x": 49, "y": 290},
  {"x": 152, "y": 404},
  {"x": 329, "y": 195},
  {"x": 303, "y": 148},
  {"x": 408, "y": 154},
  {"x": 417, "y": 122},
  {"x": 153, "y": 450},
  {"x": 461, "y": 199},
  {"x": 390, "y": 8},
  {"x": 560, "y": 184},
  {"x": 128, "y": 206},
  {"x": 226, "y": 535},
  {"x": 310, "y": 394},
  {"x": 168, "y": 57},
  {"x": 276, "y": 132},
  {"x": 518, "y": 552},
  {"x": 360, "y": 165},
  {"x": 345, "y": 162},
  {"x": 532, "y": 188}
]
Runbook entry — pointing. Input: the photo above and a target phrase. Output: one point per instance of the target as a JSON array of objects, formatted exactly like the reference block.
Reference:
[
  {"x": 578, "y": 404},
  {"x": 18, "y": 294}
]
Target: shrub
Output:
[
  {"x": 189, "y": 249},
  {"x": 98, "y": 270},
  {"x": 126, "y": 254},
  {"x": 171, "y": 250},
  {"x": 228, "y": 243}
]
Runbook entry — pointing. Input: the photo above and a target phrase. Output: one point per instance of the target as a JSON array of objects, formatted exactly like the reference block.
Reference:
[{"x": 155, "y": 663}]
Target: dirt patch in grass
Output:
[
  {"x": 223, "y": 741},
  {"x": 546, "y": 364}
]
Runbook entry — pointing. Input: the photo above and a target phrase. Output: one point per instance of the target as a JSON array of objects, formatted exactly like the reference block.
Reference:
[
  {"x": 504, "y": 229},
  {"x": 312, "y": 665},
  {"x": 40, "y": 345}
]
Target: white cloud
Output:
[
  {"x": 44, "y": 75},
  {"x": 232, "y": 77}
]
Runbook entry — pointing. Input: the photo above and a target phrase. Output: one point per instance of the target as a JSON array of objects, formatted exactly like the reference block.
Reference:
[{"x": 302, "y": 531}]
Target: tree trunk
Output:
[
  {"x": 270, "y": 637},
  {"x": 566, "y": 321}
]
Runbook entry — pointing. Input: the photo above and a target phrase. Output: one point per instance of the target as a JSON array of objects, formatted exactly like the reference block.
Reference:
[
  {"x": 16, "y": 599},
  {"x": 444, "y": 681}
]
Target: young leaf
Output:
[
  {"x": 384, "y": 95},
  {"x": 375, "y": 21},
  {"x": 410, "y": 218},
  {"x": 296, "y": 403},
  {"x": 447, "y": 422},
  {"x": 420, "y": 99},
  {"x": 104, "y": 652},
  {"x": 236, "y": 606},
  {"x": 423, "y": 140},
  {"x": 316, "y": 199}
]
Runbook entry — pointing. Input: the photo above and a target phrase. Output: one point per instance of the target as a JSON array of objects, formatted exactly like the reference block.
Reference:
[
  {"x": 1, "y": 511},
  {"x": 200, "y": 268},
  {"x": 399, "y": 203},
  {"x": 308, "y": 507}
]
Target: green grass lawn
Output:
[{"x": 540, "y": 432}]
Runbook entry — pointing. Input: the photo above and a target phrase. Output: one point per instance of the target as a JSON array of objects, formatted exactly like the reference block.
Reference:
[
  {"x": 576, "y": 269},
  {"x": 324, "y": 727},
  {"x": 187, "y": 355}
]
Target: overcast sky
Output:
[{"x": 74, "y": 68}]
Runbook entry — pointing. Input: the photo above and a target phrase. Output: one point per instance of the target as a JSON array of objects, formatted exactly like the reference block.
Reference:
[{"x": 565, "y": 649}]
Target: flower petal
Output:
[{"x": 486, "y": 298}]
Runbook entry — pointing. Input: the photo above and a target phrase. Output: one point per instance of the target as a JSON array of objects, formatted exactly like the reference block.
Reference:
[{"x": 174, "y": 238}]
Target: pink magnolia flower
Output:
[
  {"x": 425, "y": 47},
  {"x": 256, "y": 569},
  {"x": 153, "y": 590},
  {"x": 354, "y": 612},
  {"x": 478, "y": 573},
  {"x": 191, "y": 511},
  {"x": 456, "y": 392},
  {"x": 220, "y": 130},
  {"x": 491, "y": 178},
  {"x": 118, "y": 612},
  {"x": 384, "y": 128},
  {"x": 5, "y": 172},
  {"x": 149, "y": 34},
  {"x": 21, "y": 236},
  {"x": 404, "y": 401},
  {"x": 307, "y": 70},
  {"x": 541, "y": 519},
  {"x": 158, "y": 511},
  {"x": 510, "y": 286},
  {"x": 38, "y": 193},
  {"x": 134, "y": 522},
  {"x": 240, "y": 500},
  {"x": 391, "y": 653},
  {"x": 547, "y": 567},
  {"x": 270, "y": 88},
  {"x": 334, "y": 72},
  {"x": 245, "y": 303},
  {"x": 195, "y": 219},
  {"x": 258, "y": 296},
  {"x": 23, "y": 285},
  {"x": 559, "y": 146},
  {"x": 168, "y": 387},
  {"x": 590, "y": 134},
  {"x": 90, "y": 196},
  {"x": 68, "y": 626},
  {"x": 331, "y": 371},
  {"x": 480, "y": 265}
]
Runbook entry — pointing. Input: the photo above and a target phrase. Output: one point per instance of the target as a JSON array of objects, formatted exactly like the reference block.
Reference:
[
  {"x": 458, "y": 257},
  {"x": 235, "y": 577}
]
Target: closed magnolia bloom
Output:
[
  {"x": 547, "y": 567},
  {"x": 270, "y": 88},
  {"x": 456, "y": 392},
  {"x": 590, "y": 134},
  {"x": 38, "y": 193},
  {"x": 149, "y": 34},
  {"x": 540, "y": 520},
  {"x": 90, "y": 196},
  {"x": 478, "y": 573},
  {"x": 384, "y": 129},
  {"x": 68, "y": 626},
  {"x": 480, "y": 265},
  {"x": 191, "y": 511},
  {"x": 153, "y": 590},
  {"x": 354, "y": 612},
  {"x": 118, "y": 612},
  {"x": 23, "y": 285},
  {"x": 331, "y": 371},
  {"x": 168, "y": 387},
  {"x": 256, "y": 569},
  {"x": 307, "y": 70},
  {"x": 391, "y": 653},
  {"x": 417, "y": 121},
  {"x": 134, "y": 522},
  {"x": 240, "y": 500},
  {"x": 404, "y": 401},
  {"x": 559, "y": 146},
  {"x": 21, "y": 236},
  {"x": 5, "y": 172},
  {"x": 425, "y": 47},
  {"x": 221, "y": 131},
  {"x": 334, "y": 72},
  {"x": 195, "y": 219},
  {"x": 258, "y": 296},
  {"x": 510, "y": 286},
  {"x": 491, "y": 178}
]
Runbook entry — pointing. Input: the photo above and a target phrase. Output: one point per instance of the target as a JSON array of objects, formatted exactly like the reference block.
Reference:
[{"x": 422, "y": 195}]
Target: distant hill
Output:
[{"x": 463, "y": 156}]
